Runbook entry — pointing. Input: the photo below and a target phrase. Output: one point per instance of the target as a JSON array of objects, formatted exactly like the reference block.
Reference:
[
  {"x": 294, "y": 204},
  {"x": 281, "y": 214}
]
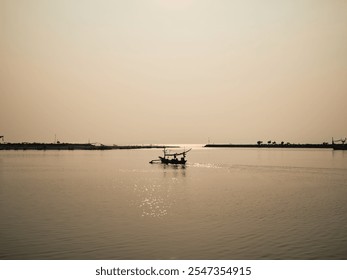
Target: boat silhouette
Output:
[{"x": 171, "y": 158}]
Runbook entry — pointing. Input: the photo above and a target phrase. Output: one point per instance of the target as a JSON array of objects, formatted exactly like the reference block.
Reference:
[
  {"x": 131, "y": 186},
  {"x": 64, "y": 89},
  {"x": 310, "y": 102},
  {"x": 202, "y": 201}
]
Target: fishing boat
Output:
[
  {"x": 171, "y": 158},
  {"x": 341, "y": 145}
]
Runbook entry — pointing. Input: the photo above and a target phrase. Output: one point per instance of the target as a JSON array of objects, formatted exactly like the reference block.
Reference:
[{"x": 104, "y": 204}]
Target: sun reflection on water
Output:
[{"x": 155, "y": 198}]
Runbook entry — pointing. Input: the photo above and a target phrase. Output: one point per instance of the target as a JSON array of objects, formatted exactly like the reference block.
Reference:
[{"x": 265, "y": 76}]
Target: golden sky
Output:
[{"x": 173, "y": 71}]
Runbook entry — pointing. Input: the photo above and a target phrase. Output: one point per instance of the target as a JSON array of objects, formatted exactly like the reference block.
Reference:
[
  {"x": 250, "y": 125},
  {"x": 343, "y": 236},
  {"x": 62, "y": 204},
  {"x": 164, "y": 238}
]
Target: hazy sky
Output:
[{"x": 173, "y": 71}]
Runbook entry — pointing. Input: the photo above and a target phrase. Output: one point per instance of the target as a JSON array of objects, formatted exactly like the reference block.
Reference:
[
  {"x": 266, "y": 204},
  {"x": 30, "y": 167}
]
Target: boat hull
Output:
[
  {"x": 339, "y": 147},
  {"x": 172, "y": 161}
]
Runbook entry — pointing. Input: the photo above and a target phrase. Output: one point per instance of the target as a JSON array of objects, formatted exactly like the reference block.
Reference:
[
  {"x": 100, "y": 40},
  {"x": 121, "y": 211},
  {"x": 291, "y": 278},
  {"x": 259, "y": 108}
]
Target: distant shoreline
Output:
[
  {"x": 76, "y": 146},
  {"x": 89, "y": 146},
  {"x": 284, "y": 146}
]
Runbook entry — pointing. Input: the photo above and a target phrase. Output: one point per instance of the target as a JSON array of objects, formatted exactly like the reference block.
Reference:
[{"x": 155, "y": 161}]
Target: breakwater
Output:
[
  {"x": 75, "y": 146},
  {"x": 289, "y": 146}
]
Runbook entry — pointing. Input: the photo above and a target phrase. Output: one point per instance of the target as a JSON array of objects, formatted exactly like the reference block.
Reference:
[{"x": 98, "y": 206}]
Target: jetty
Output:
[
  {"x": 272, "y": 146},
  {"x": 75, "y": 146}
]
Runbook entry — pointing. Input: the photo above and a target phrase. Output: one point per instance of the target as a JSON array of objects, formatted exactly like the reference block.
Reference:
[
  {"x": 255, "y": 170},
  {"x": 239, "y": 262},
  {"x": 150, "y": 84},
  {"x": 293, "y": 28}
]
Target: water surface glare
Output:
[{"x": 225, "y": 204}]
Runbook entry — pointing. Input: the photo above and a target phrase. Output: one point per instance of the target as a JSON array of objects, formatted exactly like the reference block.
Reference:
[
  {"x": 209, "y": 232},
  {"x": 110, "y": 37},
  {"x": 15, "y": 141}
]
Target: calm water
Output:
[{"x": 225, "y": 204}]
